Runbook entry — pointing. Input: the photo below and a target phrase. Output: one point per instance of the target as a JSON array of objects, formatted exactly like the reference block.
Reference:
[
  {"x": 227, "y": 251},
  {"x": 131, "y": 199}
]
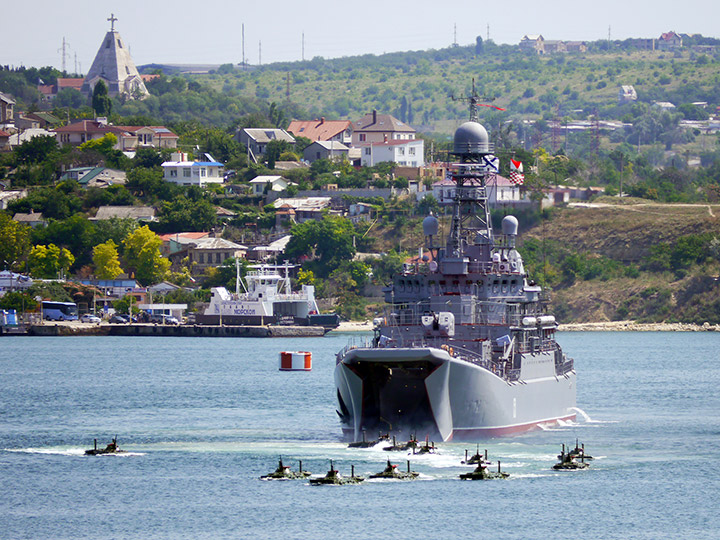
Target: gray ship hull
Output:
[{"x": 426, "y": 391}]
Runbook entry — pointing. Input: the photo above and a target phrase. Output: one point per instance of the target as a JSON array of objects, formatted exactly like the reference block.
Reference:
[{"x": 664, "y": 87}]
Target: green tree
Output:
[
  {"x": 329, "y": 242},
  {"x": 142, "y": 253},
  {"x": 184, "y": 214},
  {"x": 14, "y": 241},
  {"x": 105, "y": 259},
  {"x": 101, "y": 103},
  {"x": 49, "y": 261}
]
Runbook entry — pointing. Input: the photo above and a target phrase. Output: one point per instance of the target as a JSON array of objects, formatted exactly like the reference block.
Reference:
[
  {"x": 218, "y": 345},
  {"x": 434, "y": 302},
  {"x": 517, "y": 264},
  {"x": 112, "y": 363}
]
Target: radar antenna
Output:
[{"x": 474, "y": 100}]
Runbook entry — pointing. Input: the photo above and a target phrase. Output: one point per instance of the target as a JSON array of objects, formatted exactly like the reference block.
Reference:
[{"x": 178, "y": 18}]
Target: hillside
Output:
[
  {"x": 418, "y": 86},
  {"x": 629, "y": 242}
]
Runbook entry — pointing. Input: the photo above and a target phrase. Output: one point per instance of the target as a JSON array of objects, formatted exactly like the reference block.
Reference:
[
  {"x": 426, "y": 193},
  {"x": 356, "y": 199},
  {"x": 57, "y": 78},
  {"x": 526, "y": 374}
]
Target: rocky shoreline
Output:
[{"x": 632, "y": 326}]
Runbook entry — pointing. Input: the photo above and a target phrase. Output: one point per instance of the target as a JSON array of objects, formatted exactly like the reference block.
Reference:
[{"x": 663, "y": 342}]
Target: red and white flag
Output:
[{"x": 516, "y": 172}]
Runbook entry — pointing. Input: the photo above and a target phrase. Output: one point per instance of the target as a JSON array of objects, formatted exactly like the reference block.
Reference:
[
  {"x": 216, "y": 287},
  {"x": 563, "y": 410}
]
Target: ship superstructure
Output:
[
  {"x": 466, "y": 348},
  {"x": 268, "y": 299}
]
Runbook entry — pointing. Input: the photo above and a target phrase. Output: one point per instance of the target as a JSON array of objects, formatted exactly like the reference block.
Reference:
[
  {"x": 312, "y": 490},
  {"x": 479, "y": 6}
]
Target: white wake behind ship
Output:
[{"x": 466, "y": 349}]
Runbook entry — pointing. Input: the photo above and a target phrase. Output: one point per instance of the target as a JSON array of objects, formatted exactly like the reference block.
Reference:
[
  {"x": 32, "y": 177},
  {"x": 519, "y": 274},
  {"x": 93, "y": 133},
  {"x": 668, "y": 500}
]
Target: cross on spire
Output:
[{"x": 112, "y": 20}]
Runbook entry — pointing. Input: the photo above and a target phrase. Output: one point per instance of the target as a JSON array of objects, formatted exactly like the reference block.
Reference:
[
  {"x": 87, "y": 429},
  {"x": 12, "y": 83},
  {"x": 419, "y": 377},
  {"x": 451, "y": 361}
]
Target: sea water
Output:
[{"x": 203, "y": 418}]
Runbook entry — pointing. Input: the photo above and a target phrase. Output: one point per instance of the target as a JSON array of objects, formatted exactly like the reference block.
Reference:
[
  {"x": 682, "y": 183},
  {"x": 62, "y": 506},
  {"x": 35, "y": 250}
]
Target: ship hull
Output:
[{"x": 428, "y": 392}]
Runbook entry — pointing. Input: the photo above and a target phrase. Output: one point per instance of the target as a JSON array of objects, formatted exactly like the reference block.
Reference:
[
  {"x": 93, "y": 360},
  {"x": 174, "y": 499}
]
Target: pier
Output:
[{"x": 60, "y": 329}]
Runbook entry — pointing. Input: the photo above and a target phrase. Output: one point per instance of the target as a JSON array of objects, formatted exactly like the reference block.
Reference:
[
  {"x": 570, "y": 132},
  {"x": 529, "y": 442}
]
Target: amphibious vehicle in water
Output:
[{"x": 466, "y": 348}]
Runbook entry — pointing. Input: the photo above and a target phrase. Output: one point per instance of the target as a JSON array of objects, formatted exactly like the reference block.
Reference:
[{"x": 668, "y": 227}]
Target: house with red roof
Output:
[
  {"x": 129, "y": 137},
  {"x": 322, "y": 130},
  {"x": 669, "y": 41}
]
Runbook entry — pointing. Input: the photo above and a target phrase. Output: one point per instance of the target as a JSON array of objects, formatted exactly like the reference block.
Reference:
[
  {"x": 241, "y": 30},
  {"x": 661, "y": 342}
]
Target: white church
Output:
[{"x": 114, "y": 65}]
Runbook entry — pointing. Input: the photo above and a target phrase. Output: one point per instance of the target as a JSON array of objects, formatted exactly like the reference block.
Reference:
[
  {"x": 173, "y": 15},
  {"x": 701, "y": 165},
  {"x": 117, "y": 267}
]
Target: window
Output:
[
  {"x": 203, "y": 172},
  {"x": 186, "y": 173},
  {"x": 411, "y": 150},
  {"x": 362, "y": 137},
  {"x": 367, "y": 151},
  {"x": 217, "y": 258},
  {"x": 173, "y": 173},
  {"x": 401, "y": 151},
  {"x": 120, "y": 45},
  {"x": 201, "y": 258}
]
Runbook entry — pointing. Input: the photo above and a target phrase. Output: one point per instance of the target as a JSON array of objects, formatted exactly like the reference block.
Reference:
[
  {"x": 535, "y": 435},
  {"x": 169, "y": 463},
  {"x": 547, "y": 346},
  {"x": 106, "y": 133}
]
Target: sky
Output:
[{"x": 210, "y": 32}]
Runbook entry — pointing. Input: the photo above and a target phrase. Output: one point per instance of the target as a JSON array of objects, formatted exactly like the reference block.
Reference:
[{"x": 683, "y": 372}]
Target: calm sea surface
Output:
[{"x": 203, "y": 418}]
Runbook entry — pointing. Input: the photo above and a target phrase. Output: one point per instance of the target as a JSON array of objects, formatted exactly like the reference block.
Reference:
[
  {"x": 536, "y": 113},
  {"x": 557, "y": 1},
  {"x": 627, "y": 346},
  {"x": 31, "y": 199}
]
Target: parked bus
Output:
[{"x": 59, "y": 311}]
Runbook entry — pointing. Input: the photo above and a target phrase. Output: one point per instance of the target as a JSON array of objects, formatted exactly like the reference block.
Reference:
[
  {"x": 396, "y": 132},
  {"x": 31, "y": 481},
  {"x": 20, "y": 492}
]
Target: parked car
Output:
[
  {"x": 159, "y": 318},
  {"x": 90, "y": 318},
  {"x": 119, "y": 319}
]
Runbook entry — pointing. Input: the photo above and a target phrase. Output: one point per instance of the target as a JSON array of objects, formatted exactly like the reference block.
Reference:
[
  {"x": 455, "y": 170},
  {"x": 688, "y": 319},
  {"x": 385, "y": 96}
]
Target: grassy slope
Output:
[
  {"x": 625, "y": 233},
  {"x": 429, "y": 83}
]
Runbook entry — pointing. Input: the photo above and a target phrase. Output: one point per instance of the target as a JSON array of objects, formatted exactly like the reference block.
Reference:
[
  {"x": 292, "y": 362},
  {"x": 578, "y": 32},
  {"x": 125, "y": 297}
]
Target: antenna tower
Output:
[
  {"x": 65, "y": 53},
  {"x": 287, "y": 86},
  {"x": 303, "y": 46},
  {"x": 488, "y": 31},
  {"x": 259, "y": 53},
  {"x": 243, "y": 46},
  {"x": 455, "y": 43}
]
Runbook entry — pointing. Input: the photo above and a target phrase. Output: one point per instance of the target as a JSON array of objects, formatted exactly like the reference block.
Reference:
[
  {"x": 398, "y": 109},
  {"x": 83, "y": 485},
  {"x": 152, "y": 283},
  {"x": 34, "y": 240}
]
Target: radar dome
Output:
[
  {"x": 430, "y": 226},
  {"x": 471, "y": 138},
  {"x": 510, "y": 225}
]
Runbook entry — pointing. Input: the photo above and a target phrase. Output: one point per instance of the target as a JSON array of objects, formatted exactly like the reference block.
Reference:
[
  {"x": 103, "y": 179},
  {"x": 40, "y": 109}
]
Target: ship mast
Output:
[{"x": 471, "y": 224}]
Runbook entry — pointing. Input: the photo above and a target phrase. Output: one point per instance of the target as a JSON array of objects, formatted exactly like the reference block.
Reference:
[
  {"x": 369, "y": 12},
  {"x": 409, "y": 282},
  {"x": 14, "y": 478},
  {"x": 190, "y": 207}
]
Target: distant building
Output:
[
  {"x": 4, "y": 140},
  {"x": 407, "y": 153},
  {"x": 272, "y": 183},
  {"x": 148, "y": 137},
  {"x": 532, "y": 42},
  {"x": 192, "y": 173},
  {"x": 300, "y": 209},
  {"x": 34, "y": 219},
  {"x": 322, "y": 130},
  {"x": 257, "y": 139},
  {"x": 378, "y": 128},
  {"x": 664, "y": 105},
  {"x": 101, "y": 177},
  {"x": 138, "y": 213},
  {"x": 114, "y": 65},
  {"x": 551, "y": 46},
  {"x": 669, "y": 41},
  {"x": 500, "y": 191},
  {"x": 576, "y": 46},
  {"x": 207, "y": 252},
  {"x": 8, "y": 196},
  {"x": 627, "y": 93},
  {"x": 7, "y": 105},
  {"x": 325, "y": 150}
]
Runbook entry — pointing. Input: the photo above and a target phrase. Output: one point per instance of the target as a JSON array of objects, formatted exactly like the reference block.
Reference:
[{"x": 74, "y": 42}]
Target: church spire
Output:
[{"x": 112, "y": 20}]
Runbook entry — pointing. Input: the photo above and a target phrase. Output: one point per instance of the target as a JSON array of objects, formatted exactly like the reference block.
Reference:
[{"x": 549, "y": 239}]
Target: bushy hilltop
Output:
[
  {"x": 418, "y": 86},
  {"x": 629, "y": 260}
]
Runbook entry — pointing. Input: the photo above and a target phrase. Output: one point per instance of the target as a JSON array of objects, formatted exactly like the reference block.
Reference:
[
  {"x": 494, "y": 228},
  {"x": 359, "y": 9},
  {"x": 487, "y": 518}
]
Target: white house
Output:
[
  {"x": 277, "y": 183},
  {"x": 192, "y": 173},
  {"x": 500, "y": 191},
  {"x": 406, "y": 153}
]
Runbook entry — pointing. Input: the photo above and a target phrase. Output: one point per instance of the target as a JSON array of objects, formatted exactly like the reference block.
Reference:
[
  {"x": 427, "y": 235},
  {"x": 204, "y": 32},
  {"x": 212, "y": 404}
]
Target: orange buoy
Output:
[{"x": 295, "y": 361}]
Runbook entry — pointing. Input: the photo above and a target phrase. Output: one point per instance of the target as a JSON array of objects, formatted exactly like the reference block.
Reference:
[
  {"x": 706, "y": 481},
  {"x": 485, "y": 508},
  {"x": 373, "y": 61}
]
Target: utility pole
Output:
[
  {"x": 259, "y": 53},
  {"x": 488, "y": 31},
  {"x": 243, "y": 46},
  {"x": 303, "y": 46},
  {"x": 455, "y": 43}
]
